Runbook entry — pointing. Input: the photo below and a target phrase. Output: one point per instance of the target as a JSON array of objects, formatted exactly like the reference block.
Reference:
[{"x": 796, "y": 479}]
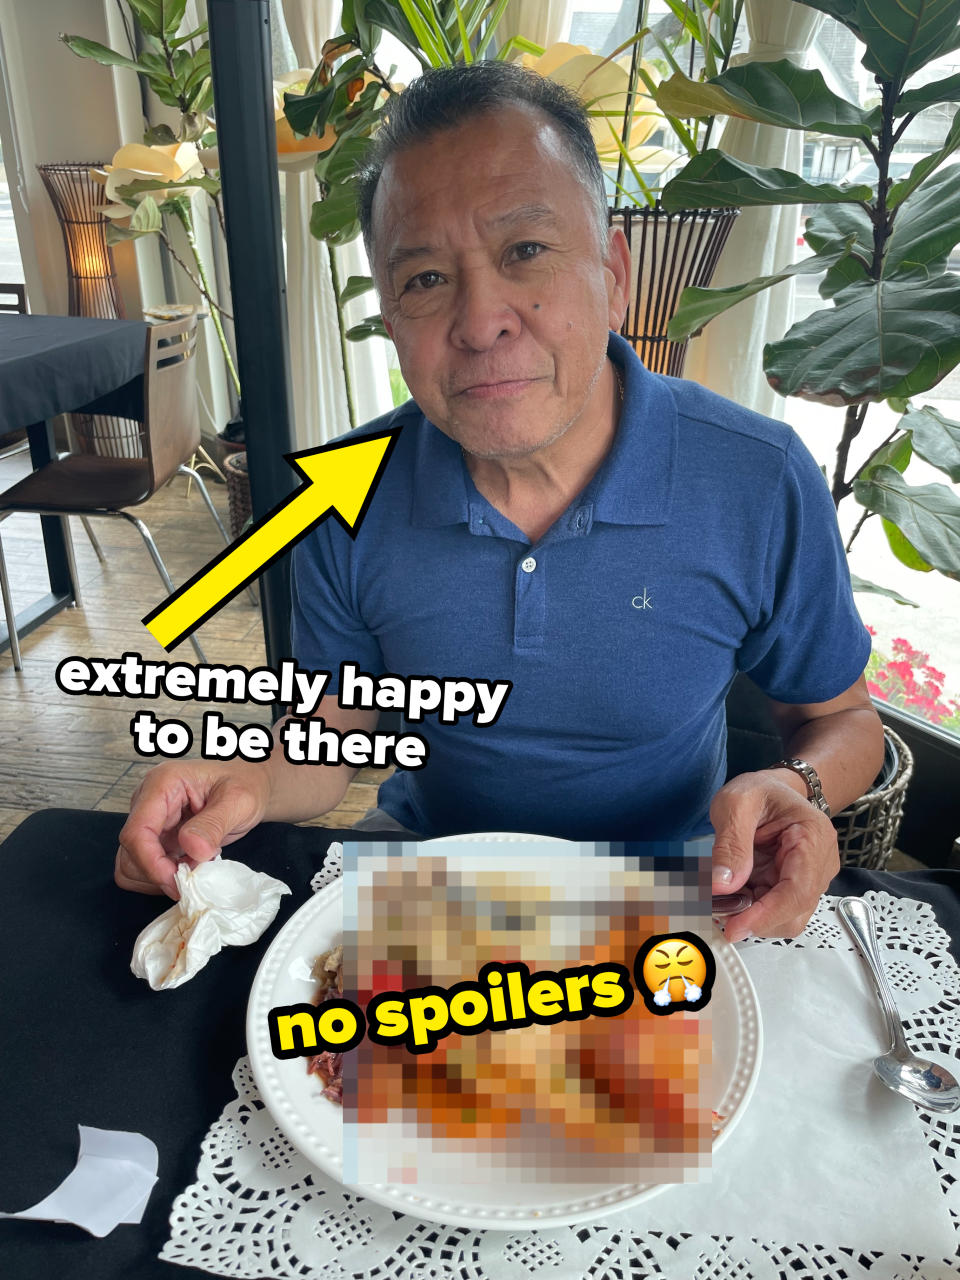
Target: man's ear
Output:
[
  {"x": 617, "y": 262},
  {"x": 387, "y": 325}
]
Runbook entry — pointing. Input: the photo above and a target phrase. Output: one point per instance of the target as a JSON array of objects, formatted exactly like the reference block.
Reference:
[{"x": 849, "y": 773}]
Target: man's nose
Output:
[{"x": 484, "y": 310}]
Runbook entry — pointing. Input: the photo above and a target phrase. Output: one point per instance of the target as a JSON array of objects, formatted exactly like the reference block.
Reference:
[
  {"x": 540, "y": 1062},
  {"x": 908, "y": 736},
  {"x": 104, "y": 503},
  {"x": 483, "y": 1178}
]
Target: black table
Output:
[
  {"x": 63, "y": 364},
  {"x": 83, "y": 1041}
]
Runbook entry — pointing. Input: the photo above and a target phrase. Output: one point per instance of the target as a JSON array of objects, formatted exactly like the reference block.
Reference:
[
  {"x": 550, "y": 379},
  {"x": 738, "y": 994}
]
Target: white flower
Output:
[{"x": 137, "y": 162}]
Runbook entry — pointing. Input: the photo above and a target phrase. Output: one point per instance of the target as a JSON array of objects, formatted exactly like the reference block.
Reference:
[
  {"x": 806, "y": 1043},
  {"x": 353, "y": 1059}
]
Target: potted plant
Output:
[{"x": 888, "y": 330}]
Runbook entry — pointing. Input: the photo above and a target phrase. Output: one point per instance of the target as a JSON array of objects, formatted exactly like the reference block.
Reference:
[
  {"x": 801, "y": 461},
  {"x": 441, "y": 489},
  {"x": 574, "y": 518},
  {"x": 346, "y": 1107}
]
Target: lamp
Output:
[
  {"x": 91, "y": 273},
  {"x": 668, "y": 252},
  {"x": 93, "y": 291}
]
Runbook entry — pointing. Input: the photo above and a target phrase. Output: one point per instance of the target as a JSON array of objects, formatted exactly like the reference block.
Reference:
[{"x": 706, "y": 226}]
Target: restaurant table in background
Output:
[
  {"x": 84, "y": 1042},
  {"x": 62, "y": 364}
]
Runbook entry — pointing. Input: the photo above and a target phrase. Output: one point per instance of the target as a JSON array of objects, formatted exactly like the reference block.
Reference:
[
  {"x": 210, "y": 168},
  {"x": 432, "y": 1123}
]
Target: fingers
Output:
[
  {"x": 805, "y": 861},
  {"x": 143, "y": 863},
  {"x": 180, "y": 810},
  {"x": 735, "y": 816},
  {"x": 127, "y": 875}
]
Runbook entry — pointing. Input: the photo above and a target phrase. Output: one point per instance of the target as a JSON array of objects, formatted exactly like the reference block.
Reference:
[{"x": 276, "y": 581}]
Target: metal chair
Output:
[
  {"x": 89, "y": 485},
  {"x": 13, "y": 297}
]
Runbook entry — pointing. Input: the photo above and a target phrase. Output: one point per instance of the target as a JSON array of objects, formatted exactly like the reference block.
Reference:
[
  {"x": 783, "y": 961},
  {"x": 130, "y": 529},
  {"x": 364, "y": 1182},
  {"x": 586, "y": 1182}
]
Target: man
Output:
[{"x": 615, "y": 543}]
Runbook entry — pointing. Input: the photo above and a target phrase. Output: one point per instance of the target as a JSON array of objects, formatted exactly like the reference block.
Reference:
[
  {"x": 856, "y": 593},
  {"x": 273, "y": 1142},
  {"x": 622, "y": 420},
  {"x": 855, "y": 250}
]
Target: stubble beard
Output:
[{"x": 454, "y": 430}]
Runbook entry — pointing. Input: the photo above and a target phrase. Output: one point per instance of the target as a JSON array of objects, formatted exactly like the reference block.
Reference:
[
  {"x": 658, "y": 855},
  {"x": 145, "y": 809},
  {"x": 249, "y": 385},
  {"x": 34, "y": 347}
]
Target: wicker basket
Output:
[
  {"x": 867, "y": 830},
  {"x": 238, "y": 491}
]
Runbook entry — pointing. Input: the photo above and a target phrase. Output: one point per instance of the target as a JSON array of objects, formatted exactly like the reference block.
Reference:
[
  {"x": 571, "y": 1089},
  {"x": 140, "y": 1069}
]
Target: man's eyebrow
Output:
[{"x": 525, "y": 213}]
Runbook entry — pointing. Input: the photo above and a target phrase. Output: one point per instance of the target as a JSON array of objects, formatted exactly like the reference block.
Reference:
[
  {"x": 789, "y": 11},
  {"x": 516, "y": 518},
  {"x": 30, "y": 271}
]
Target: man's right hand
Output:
[{"x": 187, "y": 809}]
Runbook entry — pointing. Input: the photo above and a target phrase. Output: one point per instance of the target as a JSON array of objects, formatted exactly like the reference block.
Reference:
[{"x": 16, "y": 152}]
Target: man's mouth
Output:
[{"x": 497, "y": 388}]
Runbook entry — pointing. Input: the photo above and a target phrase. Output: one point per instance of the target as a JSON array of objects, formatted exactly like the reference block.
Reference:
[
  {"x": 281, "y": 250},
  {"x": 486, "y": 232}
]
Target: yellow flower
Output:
[
  {"x": 603, "y": 86},
  {"x": 136, "y": 162}
]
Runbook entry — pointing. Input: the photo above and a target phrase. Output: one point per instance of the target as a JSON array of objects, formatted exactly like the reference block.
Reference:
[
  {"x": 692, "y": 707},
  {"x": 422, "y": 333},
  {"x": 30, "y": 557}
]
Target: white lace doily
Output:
[{"x": 258, "y": 1209}]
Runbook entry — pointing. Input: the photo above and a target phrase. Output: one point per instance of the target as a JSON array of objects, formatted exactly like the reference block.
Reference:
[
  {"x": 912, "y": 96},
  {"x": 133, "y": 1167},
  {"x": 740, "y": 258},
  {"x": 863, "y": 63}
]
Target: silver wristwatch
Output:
[{"x": 810, "y": 776}]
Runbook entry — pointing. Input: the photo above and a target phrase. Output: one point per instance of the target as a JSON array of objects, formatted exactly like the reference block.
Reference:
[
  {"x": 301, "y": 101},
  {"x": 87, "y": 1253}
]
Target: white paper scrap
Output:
[
  {"x": 110, "y": 1183},
  {"x": 221, "y": 904}
]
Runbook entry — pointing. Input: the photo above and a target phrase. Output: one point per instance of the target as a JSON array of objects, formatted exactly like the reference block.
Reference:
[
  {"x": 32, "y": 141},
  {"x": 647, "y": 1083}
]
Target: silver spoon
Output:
[{"x": 925, "y": 1083}]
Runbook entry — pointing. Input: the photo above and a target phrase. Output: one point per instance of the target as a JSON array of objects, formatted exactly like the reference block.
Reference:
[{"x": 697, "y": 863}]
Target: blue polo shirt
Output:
[{"x": 706, "y": 544}]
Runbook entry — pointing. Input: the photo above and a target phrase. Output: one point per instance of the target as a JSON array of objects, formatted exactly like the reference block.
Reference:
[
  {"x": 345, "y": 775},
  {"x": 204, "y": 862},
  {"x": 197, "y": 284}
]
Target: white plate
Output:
[{"x": 314, "y": 1124}]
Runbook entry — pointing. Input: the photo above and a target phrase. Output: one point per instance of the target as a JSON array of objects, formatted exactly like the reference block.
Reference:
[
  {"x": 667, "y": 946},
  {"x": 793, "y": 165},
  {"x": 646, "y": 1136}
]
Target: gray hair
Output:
[{"x": 445, "y": 97}]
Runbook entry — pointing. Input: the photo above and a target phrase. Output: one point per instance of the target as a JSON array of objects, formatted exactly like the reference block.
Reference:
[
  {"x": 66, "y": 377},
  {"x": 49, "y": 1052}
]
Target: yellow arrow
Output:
[{"x": 340, "y": 480}]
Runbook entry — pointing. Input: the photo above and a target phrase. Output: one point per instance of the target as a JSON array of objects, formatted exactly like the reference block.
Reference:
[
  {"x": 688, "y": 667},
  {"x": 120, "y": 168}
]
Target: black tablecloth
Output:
[
  {"x": 83, "y": 1041},
  {"x": 52, "y": 364}
]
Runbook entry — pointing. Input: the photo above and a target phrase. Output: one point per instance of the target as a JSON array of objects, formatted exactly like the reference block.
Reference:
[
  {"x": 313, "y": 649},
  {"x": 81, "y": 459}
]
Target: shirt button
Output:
[
  {"x": 581, "y": 519},
  {"x": 528, "y": 565}
]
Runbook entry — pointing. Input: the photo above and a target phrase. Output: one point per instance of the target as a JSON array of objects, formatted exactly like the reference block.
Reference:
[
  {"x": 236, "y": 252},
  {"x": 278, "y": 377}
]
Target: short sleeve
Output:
[
  {"x": 327, "y": 625},
  {"x": 808, "y": 644}
]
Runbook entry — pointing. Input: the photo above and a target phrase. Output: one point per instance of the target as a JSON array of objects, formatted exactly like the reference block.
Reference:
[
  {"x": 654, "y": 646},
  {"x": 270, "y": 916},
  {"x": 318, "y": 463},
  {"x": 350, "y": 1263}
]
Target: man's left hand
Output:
[{"x": 778, "y": 845}]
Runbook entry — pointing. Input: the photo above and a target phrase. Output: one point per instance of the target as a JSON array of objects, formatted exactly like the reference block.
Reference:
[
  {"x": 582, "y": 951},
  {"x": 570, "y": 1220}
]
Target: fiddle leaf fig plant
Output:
[{"x": 889, "y": 328}]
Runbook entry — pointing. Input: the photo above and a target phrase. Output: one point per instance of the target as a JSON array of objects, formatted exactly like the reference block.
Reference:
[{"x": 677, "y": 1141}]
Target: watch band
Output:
[{"x": 810, "y": 776}]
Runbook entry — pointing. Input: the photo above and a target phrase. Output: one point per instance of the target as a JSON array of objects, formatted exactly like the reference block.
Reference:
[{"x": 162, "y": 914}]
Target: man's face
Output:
[{"x": 493, "y": 283}]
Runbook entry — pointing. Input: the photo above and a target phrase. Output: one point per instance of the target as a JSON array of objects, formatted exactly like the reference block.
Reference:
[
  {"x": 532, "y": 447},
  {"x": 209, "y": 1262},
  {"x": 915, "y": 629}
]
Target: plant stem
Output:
[
  {"x": 882, "y": 220},
  {"x": 183, "y": 213},
  {"x": 335, "y": 281},
  {"x": 859, "y": 525},
  {"x": 197, "y": 284},
  {"x": 852, "y": 424},
  {"x": 631, "y": 97}
]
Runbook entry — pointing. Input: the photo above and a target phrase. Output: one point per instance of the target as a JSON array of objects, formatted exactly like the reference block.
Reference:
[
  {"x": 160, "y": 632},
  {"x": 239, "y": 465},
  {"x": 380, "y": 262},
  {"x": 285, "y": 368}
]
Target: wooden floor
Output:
[{"x": 75, "y": 751}]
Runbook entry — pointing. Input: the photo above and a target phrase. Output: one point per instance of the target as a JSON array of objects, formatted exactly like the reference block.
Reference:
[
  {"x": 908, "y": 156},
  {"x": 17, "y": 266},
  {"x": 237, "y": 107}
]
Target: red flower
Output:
[{"x": 875, "y": 690}]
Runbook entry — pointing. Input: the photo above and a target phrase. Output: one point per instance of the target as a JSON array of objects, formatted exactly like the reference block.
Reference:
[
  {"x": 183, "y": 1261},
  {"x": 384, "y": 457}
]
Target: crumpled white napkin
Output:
[
  {"x": 110, "y": 1183},
  {"x": 222, "y": 903}
]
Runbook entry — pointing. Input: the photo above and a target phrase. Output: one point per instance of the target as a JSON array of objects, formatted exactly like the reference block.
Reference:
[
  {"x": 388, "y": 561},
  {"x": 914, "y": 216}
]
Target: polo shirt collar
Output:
[{"x": 633, "y": 486}]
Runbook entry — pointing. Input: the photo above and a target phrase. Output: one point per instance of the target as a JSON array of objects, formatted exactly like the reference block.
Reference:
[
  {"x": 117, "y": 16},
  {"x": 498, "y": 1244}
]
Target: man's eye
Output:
[
  {"x": 527, "y": 250},
  {"x": 425, "y": 280}
]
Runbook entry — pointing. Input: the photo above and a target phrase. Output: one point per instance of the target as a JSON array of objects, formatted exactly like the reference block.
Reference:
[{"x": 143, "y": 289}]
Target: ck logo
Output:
[{"x": 642, "y": 602}]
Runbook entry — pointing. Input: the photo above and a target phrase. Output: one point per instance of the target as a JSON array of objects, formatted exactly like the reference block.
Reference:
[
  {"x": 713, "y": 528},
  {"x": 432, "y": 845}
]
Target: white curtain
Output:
[
  {"x": 728, "y": 357},
  {"x": 545, "y": 22},
  {"x": 319, "y": 394}
]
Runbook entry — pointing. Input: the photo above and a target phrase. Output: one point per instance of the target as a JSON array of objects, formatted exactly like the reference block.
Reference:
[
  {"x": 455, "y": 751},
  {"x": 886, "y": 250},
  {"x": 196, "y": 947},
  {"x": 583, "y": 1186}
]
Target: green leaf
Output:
[
  {"x": 159, "y": 135},
  {"x": 895, "y": 453},
  {"x": 340, "y": 163},
  {"x": 928, "y": 95},
  {"x": 928, "y": 515},
  {"x": 900, "y": 190},
  {"x": 171, "y": 15},
  {"x": 892, "y": 338},
  {"x": 146, "y": 217},
  {"x": 903, "y": 549},
  {"x": 770, "y": 93},
  {"x": 371, "y": 327},
  {"x": 861, "y": 584},
  {"x": 334, "y": 219},
  {"x": 926, "y": 228},
  {"x": 201, "y": 98},
  {"x": 831, "y": 226},
  {"x": 355, "y": 287},
  {"x": 844, "y": 11},
  {"x": 148, "y": 15},
  {"x": 698, "y": 306},
  {"x": 936, "y": 439},
  {"x": 130, "y": 189},
  {"x": 713, "y": 180},
  {"x": 902, "y": 37},
  {"x": 191, "y": 35},
  {"x": 98, "y": 53}
]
